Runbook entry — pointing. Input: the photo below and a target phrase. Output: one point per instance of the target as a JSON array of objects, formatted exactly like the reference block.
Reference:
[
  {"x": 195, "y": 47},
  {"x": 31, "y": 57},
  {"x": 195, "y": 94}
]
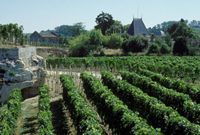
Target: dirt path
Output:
[{"x": 28, "y": 123}]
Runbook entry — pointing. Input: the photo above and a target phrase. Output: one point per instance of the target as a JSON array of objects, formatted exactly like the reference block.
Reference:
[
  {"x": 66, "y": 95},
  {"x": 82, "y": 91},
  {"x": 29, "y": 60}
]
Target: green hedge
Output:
[
  {"x": 85, "y": 117},
  {"x": 152, "y": 109},
  {"x": 118, "y": 115}
]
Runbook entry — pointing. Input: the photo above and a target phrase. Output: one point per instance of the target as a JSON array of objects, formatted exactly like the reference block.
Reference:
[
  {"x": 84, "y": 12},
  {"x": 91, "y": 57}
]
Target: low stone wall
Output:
[
  {"x": 23, "y": 54},
  {"x": 27, "y": 55},
  {"x": 11, "y": 54}
]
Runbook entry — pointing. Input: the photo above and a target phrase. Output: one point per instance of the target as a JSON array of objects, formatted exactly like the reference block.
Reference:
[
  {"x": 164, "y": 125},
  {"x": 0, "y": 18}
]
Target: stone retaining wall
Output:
[{"x": 20, "y": 68}]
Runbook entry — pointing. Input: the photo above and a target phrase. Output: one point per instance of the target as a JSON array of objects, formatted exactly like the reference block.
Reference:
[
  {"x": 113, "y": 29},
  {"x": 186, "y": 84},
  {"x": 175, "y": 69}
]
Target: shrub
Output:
[
  {"x": 165, "y": 49},
  {"x": 114, "y": 41},
  {"x": 168, "y": 40},
  {"x": 154, "y": 48},
  {"x": 80, "y": 50},
  {"x": 79, "y": 40},
  {"x": 160, "y": 46},
  {"x": 125, "y": 36},
  {"x": 86, "y": 44},
  {"x": 95, "y": 37},
  {"x": 135, "y": 44},
  {"x": 194, "y": 49}
]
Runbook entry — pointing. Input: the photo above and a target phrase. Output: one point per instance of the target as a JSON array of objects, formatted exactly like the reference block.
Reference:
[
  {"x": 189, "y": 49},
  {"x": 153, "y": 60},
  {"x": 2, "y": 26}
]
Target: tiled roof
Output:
[
  {"x": 137, "y": 27},
  {"x": 48, "y": 34}
]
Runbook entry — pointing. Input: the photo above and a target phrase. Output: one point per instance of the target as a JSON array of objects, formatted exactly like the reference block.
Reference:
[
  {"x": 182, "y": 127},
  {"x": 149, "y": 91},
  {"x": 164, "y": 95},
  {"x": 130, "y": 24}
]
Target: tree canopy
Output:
[
  {"x": 11, "y": 33},
  {"x": 116, "y": 27},
  {"x": 86, "y": 44},
  {"x": 70, "y": 30},
  {"x": 156, "y": 30},
  {"x": 104, "y": 22},
  {"x": 180, "y": 29},
  {"x": 135, "y": 44}
]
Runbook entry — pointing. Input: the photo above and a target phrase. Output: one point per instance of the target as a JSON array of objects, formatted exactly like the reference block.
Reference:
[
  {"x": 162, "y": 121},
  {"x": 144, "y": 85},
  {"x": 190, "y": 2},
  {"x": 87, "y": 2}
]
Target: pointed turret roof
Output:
[{"x": 137, "y": 27}]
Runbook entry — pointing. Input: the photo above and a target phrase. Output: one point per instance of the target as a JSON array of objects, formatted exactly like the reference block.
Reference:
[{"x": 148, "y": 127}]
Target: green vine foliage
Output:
[
  {"x": 186, "y": 68},
  {"x": 45, "y": 114},
  {"x": 10, "y": 112},
  {"x": 119, "y": 116},
  {"x": 178, "y": 85},
  {"x": 86, "y": 119},
  {"x": 179, "y": 101},
  {"x": 157, "y": 113}
]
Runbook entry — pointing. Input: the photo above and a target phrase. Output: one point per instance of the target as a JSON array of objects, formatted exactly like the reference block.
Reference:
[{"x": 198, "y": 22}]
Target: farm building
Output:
[
  {"x": 137, "y": 27},
  {"x": 46, "y": 37}
]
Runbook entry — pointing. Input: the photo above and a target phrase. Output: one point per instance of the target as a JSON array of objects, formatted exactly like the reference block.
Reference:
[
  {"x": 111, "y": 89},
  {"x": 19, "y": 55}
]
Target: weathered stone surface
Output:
[{"x": 20, "y": 68}]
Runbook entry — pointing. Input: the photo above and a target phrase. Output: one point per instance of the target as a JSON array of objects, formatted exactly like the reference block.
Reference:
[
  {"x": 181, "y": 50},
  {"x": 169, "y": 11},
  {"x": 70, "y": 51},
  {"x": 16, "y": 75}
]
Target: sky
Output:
[{"x": 37, "y": 15}]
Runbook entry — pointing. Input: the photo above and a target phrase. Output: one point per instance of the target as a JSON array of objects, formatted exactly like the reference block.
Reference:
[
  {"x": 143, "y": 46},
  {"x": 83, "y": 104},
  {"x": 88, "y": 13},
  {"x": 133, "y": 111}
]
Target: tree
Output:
[
  {"x": 95, "y": 38},
  {"x": 154, "y": 49},
  {"x": 135, "y": 44},
  {"x": 161, "y": 45},
  {"x": 168, "y": 40},
  {"x": 86, "y": 44},
  {"x": 181, "y": 33},
  {"x": 114, "y": 41},
  {"x": 126, "y": 27},
  {"x": 156, "y": 30},
  {"x": 180, "y": 46},
  {"x": 165, "y": 49},
  {"x": 195, "y": 25},
  {"x": 104, "y": 22},
  {"x": 116, "y": 27},
  {"x": 180, "y": 29},
  {"x": 4, "y": 32},
  {"x": 11, "y": 33},
  {"x": 63, "y": 41},
  {"x": 78, "y": 28},
  {"x": 67, "y": 31},
  {"x": 165, "y": 25},
  {"x": 18, "y": 33},
  {"x": 78, "y": 45}
]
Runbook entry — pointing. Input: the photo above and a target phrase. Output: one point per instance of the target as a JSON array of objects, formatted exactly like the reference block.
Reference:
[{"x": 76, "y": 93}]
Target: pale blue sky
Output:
[{"x": 47, "y": 14}]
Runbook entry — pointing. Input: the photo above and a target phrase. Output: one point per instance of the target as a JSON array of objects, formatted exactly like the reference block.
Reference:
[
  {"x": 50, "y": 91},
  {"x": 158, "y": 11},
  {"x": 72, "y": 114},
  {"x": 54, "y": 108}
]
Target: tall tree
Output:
[
  {"x": 180, "y": 46},
  {"x": 104, "y": 22},
  {"x": 11, "y": 33},
  {"x": 116, "y": 27},
  {"x": 70, "y": 30},
  {"x": 157, "y": 29},
  {"x": 18, "y": 33},
  {"x": 180, "y": 29},
  {"x": 181, "y": 32},
  {"x": 78, "y": 28}
]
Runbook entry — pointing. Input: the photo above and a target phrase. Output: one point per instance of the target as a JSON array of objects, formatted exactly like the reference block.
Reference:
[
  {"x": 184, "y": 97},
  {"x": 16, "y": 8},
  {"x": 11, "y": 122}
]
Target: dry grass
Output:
[
  {"x": 8, "y": 46},
  {"x": 113, "y": 51}
]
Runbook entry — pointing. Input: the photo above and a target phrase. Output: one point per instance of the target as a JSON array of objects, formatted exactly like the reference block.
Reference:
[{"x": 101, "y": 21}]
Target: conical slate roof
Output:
[{"x": 137, "y": 27}]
